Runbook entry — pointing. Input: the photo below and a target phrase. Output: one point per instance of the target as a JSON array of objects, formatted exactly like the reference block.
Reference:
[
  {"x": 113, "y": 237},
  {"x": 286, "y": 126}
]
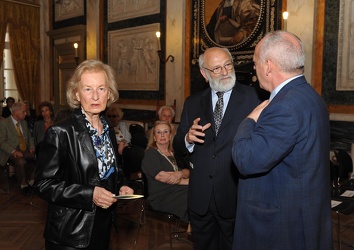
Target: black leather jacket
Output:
[{"x": 66, "y": 175}]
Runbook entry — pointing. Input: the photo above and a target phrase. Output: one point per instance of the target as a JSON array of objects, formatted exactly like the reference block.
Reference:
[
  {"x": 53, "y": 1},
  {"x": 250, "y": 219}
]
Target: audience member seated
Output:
[
  {"x": 167, "y": 113},
  {"x": 167, "y": 179},
  {"x": 138, "y": 135},
  {"x": 17, "y": 146},
  {"x": 62, "y": 115},
  {"x": 134, "y": 153},
  {"x": 31, "y": 116},
  {"x": 115, "y": 116},
  {"x": 41, "y": 126},
  {"x": 6, "y": 111}
]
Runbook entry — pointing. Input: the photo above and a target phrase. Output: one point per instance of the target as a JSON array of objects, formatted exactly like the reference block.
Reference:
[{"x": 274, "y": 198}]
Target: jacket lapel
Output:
[
  {"x": 82, "y": 134},
  {"x": 234, "y": 102}
]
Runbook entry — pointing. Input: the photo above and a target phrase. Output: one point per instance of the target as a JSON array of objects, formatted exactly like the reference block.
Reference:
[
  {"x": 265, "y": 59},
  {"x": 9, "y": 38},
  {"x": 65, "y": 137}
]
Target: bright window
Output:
[{"x": 8, "y": 86}]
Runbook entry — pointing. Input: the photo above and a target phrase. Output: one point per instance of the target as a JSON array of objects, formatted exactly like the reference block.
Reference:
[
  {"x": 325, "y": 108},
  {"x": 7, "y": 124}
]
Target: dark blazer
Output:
[
  {"x": 6, "y": 112},
  {"x": 66, "y": 175},
  {"x": 212, "y": 166},
  {"x": 284, "y": 197},
  {"x": 38, "y": 131}
]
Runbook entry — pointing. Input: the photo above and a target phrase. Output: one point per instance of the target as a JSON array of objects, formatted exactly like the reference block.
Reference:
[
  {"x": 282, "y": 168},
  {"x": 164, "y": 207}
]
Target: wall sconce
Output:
[
  {"x": 159, "y": 52},
  {"x": 285, "y": 19},
  {"x": 76, "y": 53}
]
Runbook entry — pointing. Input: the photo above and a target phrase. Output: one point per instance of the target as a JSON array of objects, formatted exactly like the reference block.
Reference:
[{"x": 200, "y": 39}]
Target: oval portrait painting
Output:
[{"x": 231, "y": 22}]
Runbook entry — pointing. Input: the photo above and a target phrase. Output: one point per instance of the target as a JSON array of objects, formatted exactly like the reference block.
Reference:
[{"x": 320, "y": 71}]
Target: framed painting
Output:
[
  {"x": 236, "y": 25},
  {"x": 132, "y": 53},
  {"x": 126, "y": 9}
]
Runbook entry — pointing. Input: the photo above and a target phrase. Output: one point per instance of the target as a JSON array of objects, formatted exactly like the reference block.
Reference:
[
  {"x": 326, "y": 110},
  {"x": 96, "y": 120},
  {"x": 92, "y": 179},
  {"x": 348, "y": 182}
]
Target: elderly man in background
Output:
[
  {"x": 6, "y": 111},
  {"x": 17, "y": 146},
  {"x": 167, "y": 113}
]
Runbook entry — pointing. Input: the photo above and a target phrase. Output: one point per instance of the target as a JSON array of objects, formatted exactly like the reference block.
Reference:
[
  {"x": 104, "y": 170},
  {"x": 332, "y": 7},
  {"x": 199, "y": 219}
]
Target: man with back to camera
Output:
[
  {"x": 282, "y": 152},
  {"x": 213, "y": 175}
]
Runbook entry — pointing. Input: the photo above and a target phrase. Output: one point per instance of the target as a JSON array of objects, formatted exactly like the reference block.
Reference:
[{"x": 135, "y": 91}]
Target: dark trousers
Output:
[
  {"x": 24, "y": 167},
  {"x": 211, "y": 231}
]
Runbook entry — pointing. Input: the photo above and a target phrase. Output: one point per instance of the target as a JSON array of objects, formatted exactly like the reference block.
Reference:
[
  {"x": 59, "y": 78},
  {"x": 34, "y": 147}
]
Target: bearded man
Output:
[{"x": 208, "y": 124}]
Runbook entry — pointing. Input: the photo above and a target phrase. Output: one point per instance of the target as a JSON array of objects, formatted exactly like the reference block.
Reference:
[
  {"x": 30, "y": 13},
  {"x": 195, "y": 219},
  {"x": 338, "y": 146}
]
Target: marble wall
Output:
[{"x": 300, "y": 22}]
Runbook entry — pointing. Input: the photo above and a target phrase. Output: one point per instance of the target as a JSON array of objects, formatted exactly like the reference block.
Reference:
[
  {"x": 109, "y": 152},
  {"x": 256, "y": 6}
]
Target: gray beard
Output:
[{"x": 225, "y": 86}]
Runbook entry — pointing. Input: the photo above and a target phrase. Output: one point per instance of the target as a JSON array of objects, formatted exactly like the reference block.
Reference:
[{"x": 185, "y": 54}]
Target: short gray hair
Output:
[
  {"x": 17, "y": 106},
  {"x": 288, "y": 56},
  {"x": 166, "y": 107}
]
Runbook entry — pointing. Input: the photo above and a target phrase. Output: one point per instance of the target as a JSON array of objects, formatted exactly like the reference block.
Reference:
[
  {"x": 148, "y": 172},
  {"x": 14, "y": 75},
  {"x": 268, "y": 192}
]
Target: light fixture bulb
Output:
[
  {"x": 285, "y": 15},
  {"x": 158, "y": 34},
  {"x": 76, "y": 45}
]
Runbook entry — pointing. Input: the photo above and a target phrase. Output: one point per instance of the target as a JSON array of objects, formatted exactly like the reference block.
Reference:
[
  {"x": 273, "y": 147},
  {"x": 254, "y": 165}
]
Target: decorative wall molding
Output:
[
  {"x": 66, "y": 9},
  {"x": 125, "y": 9},
  {"x": 132, "y": 53},
  {"x": 345, "y": 59}
]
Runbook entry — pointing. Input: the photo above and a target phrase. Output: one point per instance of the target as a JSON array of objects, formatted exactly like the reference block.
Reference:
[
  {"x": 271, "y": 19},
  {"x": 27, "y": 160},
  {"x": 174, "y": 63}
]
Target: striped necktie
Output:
[
  {"x": 22, "y": 145},
  {"x": 218, "y": 111}
]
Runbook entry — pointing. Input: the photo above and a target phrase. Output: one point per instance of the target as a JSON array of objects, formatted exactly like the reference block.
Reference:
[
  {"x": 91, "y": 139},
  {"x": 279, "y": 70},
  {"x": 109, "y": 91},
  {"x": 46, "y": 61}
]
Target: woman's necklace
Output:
[{"x": 171, "y": 159}]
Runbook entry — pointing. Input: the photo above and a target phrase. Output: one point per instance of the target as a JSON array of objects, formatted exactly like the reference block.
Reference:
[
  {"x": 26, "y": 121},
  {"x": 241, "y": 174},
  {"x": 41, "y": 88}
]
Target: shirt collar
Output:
[{"x": 280, "y": 86}]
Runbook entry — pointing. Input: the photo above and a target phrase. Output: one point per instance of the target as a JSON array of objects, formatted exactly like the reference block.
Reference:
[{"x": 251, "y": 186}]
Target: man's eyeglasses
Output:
[
  {"x": 217, "y": 70},
  {"x": 112, "y": 116}
]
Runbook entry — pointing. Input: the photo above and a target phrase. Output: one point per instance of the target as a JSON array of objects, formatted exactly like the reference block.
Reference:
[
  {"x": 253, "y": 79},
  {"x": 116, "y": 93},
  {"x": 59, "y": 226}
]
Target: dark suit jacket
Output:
[
  {"x": 213, "y": 168},
  {"x": 284, "y": 199},
  {"x": 6, "y": 112}
]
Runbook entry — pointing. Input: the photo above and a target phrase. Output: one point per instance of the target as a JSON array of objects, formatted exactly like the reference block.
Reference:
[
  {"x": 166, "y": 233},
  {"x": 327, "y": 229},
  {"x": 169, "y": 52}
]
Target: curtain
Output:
[
  {"x": 3, "y": 24},
  {"x": 23, "y": 21}
]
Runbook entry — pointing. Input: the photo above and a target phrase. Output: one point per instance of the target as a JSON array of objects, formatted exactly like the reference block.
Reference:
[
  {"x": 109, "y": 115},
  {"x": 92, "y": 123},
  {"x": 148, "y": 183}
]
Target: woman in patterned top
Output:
[{"x": 77, "y": 170}]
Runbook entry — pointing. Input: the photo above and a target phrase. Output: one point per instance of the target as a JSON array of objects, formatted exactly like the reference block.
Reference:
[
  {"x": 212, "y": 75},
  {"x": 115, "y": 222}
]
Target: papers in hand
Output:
[{"x": 128, "y": 196}]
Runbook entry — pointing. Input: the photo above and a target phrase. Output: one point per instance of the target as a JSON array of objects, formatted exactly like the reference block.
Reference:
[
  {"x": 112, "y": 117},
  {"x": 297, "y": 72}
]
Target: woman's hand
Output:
[
  {"x": 103, "y": 198},
  {"x": 125, "y": 190},
  {"x": 169, "y": 177}
]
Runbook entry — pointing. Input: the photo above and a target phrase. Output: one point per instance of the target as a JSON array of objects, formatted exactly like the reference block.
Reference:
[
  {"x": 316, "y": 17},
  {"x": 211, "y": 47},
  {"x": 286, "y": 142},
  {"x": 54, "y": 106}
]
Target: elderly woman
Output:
[
  {"x": 166, "y": 176},
  {"x": 77, "y": 170},
  {"x": 115, "y": 116}
]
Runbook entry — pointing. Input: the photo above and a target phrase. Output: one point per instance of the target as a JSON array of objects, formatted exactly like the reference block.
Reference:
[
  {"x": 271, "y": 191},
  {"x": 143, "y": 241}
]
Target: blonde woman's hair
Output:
[
  {"x": 152, "y": 142},
  {"x": 91, "y": 66}
]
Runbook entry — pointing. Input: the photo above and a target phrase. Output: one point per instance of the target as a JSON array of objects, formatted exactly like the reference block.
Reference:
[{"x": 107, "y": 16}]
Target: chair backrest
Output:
[
  {"x": 138, "y": 135},
  {"x": 345, "y": 164},
  {"x": 132, "y": 157},
  {"x": 145, "y": 185}
]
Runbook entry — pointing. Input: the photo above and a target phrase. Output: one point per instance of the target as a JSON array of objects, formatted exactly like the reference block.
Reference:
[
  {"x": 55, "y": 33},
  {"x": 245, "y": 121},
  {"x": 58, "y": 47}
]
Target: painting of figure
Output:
[{"x": 232, "y": 21}]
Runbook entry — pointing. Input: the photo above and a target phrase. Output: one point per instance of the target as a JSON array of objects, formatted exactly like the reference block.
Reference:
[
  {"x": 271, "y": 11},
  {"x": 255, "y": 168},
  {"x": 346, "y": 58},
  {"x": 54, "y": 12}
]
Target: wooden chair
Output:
[{"x": 173, "y": 220}]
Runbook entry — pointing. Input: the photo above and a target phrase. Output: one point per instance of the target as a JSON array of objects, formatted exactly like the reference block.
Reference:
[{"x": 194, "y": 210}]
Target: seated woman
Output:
[
  {"x": 115, "y": 116},
  {"x": 167, "y": 179},
  {"x": 41, "y": 126}
]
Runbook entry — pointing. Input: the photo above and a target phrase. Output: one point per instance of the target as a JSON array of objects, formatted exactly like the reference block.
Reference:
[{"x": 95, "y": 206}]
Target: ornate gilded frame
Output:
[{"x": 269, "y": 19}]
